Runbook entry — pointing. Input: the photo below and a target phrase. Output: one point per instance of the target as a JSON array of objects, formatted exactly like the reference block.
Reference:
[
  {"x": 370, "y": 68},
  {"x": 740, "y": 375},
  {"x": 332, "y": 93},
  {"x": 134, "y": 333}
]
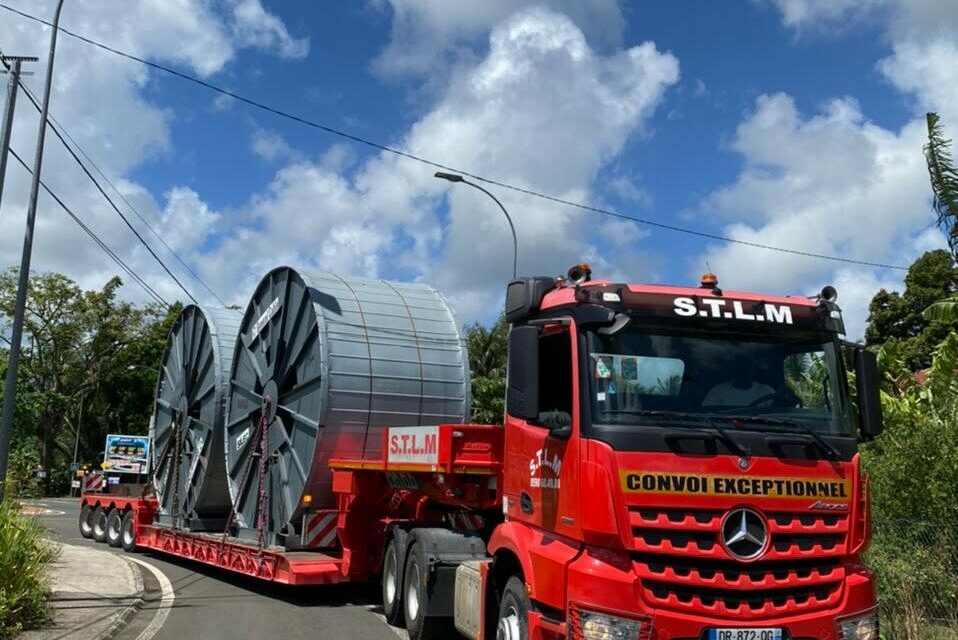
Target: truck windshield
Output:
[{"x": 766, "y": 382}]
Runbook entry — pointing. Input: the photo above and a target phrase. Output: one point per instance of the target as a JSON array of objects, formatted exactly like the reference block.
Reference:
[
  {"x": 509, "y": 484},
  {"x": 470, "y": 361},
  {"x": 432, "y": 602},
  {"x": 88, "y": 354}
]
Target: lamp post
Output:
[
  {"x": 16, "y": 332},
  {"x": 454, "y": 177}
]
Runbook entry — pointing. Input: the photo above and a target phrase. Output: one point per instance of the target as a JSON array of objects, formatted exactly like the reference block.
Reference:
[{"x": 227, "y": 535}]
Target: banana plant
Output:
[{"x": 944, "y": 186}]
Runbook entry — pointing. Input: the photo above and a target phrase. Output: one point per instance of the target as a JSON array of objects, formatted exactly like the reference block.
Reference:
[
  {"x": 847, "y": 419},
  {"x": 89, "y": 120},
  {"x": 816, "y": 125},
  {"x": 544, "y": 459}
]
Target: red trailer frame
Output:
[{"x": 444, "y": 470}]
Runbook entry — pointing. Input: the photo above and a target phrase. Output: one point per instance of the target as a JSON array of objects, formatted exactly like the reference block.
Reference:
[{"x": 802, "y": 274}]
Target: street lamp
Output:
[{"x": 454, "y": 177}]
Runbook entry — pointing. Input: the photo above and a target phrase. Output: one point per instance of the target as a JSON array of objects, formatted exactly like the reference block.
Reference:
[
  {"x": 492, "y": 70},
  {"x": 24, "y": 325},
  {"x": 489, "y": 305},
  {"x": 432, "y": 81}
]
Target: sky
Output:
[{"x": 797, "y": 124}]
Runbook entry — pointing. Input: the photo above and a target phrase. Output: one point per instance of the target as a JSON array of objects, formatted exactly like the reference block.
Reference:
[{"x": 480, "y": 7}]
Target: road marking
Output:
[
  {"x": 39, "y": 509},
  {"x": 166, "y": 600}
]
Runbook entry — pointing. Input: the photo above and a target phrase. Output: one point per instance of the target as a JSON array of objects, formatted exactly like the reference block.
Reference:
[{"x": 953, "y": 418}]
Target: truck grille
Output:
[{"x": 681, "y": 562}]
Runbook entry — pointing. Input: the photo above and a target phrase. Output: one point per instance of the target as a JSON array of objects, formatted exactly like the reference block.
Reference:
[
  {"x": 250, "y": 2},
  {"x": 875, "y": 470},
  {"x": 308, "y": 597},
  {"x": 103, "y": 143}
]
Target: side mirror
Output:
[
  {"x": 869, "y": 399},
  {"x": 522, "y": 394}
]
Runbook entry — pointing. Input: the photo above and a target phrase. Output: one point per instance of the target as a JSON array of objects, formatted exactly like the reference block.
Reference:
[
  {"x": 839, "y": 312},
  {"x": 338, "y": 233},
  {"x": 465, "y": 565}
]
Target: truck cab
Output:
[{"x": 681, "y": 464}]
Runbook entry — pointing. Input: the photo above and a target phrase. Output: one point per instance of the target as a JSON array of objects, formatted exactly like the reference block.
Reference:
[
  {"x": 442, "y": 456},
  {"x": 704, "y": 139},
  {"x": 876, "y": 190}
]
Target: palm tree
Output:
[{"x": 944, "y": 185}]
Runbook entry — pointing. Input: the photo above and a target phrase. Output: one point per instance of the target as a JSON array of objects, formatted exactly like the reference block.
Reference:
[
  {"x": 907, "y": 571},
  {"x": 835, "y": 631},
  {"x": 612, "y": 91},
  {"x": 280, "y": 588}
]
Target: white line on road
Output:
[{"x": 166, "y": 600}]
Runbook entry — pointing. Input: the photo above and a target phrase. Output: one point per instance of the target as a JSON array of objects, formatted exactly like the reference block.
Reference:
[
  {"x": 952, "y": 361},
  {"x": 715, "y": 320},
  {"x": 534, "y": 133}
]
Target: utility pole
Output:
[
  {"x": 11, "y": 65},
  {"x": 10, "y": 386}
]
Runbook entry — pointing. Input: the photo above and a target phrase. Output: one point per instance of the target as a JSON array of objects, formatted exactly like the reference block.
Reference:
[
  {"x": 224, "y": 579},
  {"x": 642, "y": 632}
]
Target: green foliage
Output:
[
  {"x": 944, "y": 180},
  {"x": 21, "y": 473},
  {"x": 915, "y": 564},
  {"x": 76, "y": 369},
  {"x": 893, "y": 316},
  {"x": 488, "y": 400},
  {"x": 488, "y": 355},
  {"x": 24, "y": 558},
  {"x": 914, "y": 465},
  {"x": 944, "y": 310}
]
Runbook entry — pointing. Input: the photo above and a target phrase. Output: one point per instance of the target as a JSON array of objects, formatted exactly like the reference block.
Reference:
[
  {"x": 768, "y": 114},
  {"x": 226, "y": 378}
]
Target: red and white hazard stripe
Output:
[
  {"x": 319, "y": 529},
  {"x": 94, "y": 481}
]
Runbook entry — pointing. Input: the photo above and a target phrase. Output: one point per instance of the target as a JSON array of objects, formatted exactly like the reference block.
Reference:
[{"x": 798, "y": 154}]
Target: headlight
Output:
[
  {"x": 602, "y": 626},
  {"x": 862, "y": 627}
]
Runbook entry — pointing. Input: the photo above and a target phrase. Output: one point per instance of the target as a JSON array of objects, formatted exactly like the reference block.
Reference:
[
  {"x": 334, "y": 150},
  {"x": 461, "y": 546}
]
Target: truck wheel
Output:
[
  {"x": 128, "y": 532},
  {"x": 392, "y": 580},
  {"x": 514, "y": 611},
  {"x": 86, "y": 521},
  {"x": 416, "y": 600},
  {"x": 113, "y": 523},
  {"x": 99, "y": 524}
]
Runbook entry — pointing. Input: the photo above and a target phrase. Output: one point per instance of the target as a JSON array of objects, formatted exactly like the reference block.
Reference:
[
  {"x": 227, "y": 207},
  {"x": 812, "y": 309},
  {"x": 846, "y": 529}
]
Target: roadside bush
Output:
[
  {"x": 21, "y": 473},
  {"x": 916, "y": 563},
  {"x": 24, "y": 558}
]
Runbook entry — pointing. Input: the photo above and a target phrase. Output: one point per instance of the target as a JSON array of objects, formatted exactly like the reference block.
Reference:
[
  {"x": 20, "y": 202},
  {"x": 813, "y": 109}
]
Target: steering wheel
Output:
[{"x": 788, "y": 397}]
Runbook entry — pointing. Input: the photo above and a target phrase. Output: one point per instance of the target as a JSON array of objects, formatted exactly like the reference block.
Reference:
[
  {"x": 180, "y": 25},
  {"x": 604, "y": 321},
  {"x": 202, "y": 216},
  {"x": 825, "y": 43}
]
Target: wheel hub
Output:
[
  {"x": 508, "y": 628},
  {"x": 390, "y": 579},
  {"x": 412, "y": 594}
]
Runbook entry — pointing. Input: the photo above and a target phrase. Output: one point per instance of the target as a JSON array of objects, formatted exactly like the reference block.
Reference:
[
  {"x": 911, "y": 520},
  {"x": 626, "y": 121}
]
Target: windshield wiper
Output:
[
  {"x": 823, "y": 444},
  {"x": 694, "y": 419}
]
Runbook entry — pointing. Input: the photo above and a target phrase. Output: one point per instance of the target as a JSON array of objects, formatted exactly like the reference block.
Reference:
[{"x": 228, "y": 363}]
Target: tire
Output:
[
  {"x": 99, "y": 524},
  {"x": 86, "y": 521},
  {"x": 114, "y": 522},
  {"x": 416, "y": 601},
  {"x": 128, "y": 532},
  {"x": 392, "y": 579},
  {"x": 514, "y": 606}
]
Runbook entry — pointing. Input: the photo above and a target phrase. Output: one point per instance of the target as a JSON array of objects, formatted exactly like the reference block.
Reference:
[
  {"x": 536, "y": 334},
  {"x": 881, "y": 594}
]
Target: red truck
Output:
[{"x": 675, "y": 464}]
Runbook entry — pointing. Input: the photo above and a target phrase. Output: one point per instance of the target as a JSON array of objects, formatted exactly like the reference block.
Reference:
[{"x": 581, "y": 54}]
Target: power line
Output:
[
  {"x": 53, "y": 121},
  {"x": 126, "y": 268},
  {"x": 437, "y": 165},
  {"x": 126, "y": 220},
  {"x": 55, "y": 130}
]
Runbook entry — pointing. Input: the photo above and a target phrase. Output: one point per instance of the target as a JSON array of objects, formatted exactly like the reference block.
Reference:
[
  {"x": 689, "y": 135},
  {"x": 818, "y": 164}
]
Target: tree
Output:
[
  {"x": 77, "y": 347},
  {"x": 944, "y": 180},
  {"x": 944, "y": 186},
  {"x": 488, "y": 356},
  {"x": 933, "y": 277}
]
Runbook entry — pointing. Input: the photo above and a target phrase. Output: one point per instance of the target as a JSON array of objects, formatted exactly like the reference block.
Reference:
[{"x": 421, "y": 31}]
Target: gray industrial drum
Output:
[
  {"x": 340, "y": 359},
  {"x": 191, "y": 393}
]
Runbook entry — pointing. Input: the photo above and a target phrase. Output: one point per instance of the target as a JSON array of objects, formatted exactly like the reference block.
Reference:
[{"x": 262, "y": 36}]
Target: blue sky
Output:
[{"x": 793, "y": 123}]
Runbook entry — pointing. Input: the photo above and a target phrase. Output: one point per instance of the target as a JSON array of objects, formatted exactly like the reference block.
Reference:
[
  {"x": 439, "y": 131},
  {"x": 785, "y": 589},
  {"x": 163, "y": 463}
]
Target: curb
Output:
[{"x": 131, "y": 609}]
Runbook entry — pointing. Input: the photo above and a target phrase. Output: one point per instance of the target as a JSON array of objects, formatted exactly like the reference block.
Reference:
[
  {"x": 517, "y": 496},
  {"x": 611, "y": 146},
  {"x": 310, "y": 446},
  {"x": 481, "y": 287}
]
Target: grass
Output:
[{"x": 24, "y": 558}]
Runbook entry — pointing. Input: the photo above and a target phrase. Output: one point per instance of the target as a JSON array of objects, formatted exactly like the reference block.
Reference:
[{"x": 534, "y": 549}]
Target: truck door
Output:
[{"x": 542, "y": 444}]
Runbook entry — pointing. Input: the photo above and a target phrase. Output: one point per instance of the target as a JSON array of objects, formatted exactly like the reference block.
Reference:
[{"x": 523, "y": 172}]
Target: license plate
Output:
[{"x": 745, "y": 634}]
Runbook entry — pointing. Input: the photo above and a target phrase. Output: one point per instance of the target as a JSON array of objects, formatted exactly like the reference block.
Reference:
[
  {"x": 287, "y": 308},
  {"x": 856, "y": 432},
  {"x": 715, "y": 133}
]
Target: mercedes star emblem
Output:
[{"x": 744, "y": 534}]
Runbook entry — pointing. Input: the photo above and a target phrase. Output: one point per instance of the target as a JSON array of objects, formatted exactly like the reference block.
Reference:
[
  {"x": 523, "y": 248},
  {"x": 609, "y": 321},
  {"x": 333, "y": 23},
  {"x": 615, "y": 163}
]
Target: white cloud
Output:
[
  {"x": 621, "y": 233},
  {"x": 812, "y": 14},
  {"x": 100, "y": 99},
  {"x": 928, "y": 71},
  {"x": 518, "y": 114},
  {"x": 922, "y": 34},
  {"x": 270, "y": 146},
  {"x": 883, "y": 211},
  {"x": 430, "y": 34},
  {"x": 253, "y": 26},
  {"x": 832, "y": 184}
]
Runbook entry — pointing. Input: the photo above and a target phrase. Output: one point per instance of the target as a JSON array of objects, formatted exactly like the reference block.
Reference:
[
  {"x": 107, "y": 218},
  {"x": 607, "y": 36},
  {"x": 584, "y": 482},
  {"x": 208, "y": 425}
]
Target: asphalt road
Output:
[{"x": 216, "y": 605}]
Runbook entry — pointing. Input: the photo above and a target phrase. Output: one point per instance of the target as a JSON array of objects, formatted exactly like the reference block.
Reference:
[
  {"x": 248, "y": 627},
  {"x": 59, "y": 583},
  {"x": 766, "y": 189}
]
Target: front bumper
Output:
[{"x": 604, "y": 580}]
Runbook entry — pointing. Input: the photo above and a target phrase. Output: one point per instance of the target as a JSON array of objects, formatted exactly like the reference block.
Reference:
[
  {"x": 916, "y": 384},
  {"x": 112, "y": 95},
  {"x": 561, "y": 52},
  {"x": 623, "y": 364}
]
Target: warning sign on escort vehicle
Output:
[
  {"x": 126, "y": 454},
  {"x": 733, "y": 310},
  {"x": 416, "y": 445},
  {"x": 735, "y": 486}
]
